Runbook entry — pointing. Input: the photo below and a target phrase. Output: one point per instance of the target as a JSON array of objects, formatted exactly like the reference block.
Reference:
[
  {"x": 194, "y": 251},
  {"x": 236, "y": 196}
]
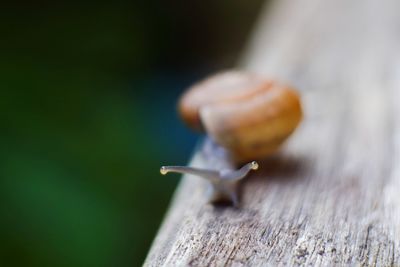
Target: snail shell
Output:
[{"x": 244, "y": 113}]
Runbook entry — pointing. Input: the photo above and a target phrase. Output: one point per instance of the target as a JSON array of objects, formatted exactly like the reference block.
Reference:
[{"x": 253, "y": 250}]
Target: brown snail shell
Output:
[{"x": 245, "y": 113}]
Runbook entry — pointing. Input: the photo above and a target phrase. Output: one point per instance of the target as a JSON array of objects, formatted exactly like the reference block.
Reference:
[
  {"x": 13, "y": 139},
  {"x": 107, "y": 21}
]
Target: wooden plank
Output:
[{"x": 331, "y": 196}]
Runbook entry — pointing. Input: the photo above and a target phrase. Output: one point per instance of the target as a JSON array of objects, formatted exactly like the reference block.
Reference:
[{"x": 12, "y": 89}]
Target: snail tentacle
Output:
[
  {"x": 223, "y": 183},
  {"x": 206, "y": 174}
]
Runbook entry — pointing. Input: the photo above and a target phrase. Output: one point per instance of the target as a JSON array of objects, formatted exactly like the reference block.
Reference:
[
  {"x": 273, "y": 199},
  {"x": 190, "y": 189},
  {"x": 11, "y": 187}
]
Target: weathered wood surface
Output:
[{"x": 332, "y": 196}]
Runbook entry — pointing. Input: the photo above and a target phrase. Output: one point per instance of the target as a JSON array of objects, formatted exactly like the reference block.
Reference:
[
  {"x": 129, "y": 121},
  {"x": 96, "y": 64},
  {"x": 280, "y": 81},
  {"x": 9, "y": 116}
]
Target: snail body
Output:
[{"x": 246, "y": 114}]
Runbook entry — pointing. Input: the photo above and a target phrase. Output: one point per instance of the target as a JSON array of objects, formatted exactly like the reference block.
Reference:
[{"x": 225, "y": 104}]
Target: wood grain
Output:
[{"x": 332, "y": 195}]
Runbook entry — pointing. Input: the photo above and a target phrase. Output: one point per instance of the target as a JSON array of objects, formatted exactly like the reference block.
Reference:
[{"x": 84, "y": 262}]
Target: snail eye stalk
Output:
[{"x": 223, "y": 183}]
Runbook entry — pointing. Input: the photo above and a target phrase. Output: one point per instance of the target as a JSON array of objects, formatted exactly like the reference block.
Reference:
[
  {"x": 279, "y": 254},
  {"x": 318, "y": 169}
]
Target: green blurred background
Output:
[{"x": 87, "y": 108}]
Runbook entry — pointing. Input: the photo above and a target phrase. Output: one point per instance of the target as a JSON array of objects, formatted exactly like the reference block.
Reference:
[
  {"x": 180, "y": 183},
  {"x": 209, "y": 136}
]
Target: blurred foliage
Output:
[{"x": 87, "y": 111}]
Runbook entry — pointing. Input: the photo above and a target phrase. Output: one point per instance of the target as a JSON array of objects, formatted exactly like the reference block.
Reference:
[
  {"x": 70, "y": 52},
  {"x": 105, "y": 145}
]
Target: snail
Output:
[{"x": 245, "y": 114}]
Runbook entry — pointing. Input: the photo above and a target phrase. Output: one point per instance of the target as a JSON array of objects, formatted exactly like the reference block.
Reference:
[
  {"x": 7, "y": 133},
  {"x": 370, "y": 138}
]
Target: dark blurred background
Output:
[{"x": 87, "y": 108}]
